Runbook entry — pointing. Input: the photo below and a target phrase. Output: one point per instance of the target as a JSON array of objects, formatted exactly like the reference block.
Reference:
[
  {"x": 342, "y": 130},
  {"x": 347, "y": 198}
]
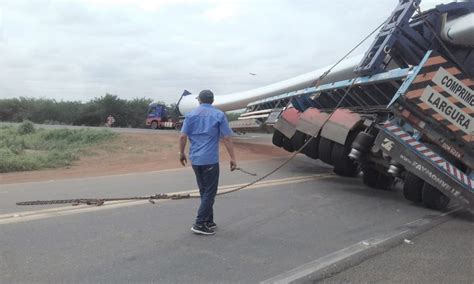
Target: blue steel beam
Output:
[{"x": 391, "y": 75}]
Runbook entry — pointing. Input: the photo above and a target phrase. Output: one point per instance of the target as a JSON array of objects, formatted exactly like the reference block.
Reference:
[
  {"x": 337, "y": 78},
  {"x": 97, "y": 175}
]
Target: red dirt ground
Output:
[{"x": 132, "y": 153}]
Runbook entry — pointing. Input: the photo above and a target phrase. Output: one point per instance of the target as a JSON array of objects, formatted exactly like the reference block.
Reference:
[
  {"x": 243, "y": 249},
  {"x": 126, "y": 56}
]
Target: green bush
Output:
[
  {"x": 26, "y": 127},
  {"x": 92, "y": 113},
  {"x": 45, "y": 148}
]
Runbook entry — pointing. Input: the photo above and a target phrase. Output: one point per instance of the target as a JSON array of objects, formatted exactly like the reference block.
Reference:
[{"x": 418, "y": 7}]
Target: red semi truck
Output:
[{"x": 158, "y": 118}]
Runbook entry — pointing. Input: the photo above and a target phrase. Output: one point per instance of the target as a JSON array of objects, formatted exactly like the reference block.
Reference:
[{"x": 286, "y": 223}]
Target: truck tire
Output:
[
  {"x": 343, "y": 165},
  {"x": 154, "y": 125},
  {"x": 298, "y": 140},
  {"x": 369, "y": 177},
  {"x": 384, "y": 182},
  {"x": 325, "y": 150},
  {"x": 412, "y": 188},
  {"x": 277, "y": 138},
  {"x": 311, "y": 150},
  {"x": 376, "y": 179},
  {"x": 287, "y": 144},
  {"x": 433, "y": 198}
]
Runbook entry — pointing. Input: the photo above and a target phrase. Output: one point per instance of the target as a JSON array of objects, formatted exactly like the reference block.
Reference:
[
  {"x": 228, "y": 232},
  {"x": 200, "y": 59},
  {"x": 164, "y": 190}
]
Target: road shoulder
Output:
[
  {"x": 443, "y": 254},
  {"x": 353, "y": 259}
]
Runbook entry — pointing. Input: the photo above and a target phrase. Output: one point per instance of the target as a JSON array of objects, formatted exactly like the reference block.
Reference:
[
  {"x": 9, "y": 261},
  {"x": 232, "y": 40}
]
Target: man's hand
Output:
[
  {"x": 182, "y": 145},
  {"x": 183, "y": 159},
  {"x": 230, "y": 148},
  {"x": 233, "y": 165}
]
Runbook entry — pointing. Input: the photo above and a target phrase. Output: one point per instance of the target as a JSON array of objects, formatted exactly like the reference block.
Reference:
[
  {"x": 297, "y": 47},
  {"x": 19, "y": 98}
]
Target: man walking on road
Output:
[{"x": 204, "y": 127}]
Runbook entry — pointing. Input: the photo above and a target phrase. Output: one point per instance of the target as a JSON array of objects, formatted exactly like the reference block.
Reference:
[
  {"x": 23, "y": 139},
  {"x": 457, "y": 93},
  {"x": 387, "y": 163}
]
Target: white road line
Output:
[{"x": 18, "y": 217}]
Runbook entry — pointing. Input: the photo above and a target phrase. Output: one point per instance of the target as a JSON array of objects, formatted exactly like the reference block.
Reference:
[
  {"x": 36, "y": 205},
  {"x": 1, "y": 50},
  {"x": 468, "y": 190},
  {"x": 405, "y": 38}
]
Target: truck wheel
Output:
[
  {"x": 384, "y": 181},
  {"x": 298, "y": 140},
  {"x": 325, "y": 150},
  {"x": 343, "y": 165},
  {"x": 412, "y": 188},
  {"x": 369, "y": 177},
  {"x": 376, "y": 179},
  {"x": 277, "y": 138},
  {"x": 311, "y": 150},
  {"x": 287, "y": 145},
  {"x": 154, "y": 125},
  {"x": 433, "y": 198}
]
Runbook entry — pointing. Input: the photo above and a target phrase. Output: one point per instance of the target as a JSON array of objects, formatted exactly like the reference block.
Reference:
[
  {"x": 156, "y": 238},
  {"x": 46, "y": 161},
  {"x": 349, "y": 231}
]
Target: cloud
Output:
[
  {"x": 146, "y": 5},
  {"x": 223, "y": 10},
  {"x": 78, "y": 50}
]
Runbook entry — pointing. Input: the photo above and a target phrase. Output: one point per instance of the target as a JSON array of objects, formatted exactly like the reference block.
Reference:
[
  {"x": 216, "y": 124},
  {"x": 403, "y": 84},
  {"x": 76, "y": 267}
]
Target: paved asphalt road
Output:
[
  {"x": 445, "y": 254},
  {"x": 297, "y": 217}
]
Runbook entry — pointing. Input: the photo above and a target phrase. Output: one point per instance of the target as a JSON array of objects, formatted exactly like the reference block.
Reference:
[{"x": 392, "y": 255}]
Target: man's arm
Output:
[
  {"x": 230, "y": 149},
  {"x": 183, "y": 138}
]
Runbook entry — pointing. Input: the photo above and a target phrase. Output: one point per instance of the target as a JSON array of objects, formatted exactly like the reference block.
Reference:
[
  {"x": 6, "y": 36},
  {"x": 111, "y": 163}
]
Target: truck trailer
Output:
[{"x": 403, "y": 111}]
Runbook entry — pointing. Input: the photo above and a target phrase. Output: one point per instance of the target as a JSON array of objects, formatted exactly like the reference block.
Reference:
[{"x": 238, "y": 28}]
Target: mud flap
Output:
[
  {"x": 311, "y": 121},
  {"x": 340, "y": 124},
  {"x": 286, "y": 124}
]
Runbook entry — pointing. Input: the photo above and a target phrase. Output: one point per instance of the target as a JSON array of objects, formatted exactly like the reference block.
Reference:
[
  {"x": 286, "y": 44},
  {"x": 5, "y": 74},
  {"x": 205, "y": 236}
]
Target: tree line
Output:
[{"x": 127, "y": 113}]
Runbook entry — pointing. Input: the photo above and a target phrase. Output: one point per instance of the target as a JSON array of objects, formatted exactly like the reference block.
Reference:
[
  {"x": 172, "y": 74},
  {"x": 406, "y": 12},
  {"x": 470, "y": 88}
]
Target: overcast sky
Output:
[{"x": 78, "y": 50}]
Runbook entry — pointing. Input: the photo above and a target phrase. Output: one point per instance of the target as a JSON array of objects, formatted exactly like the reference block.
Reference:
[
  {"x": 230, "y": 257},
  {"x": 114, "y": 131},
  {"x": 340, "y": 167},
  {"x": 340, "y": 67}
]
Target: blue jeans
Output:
[{"x": 207, "y": 177}]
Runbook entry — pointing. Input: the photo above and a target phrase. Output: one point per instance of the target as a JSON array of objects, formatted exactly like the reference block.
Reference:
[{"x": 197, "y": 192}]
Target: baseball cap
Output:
[{"x": 206, "y": 95}]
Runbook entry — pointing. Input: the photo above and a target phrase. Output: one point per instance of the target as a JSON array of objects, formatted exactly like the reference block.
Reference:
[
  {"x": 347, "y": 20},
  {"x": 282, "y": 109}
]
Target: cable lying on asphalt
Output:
[
  {"x": 101, "y": 201},
  {"x": 152, "y": 198},
  {"x": 177, "y": 195}
]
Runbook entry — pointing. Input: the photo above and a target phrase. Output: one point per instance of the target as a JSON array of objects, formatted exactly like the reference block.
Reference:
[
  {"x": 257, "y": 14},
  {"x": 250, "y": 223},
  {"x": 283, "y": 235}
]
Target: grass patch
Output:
[{"x": 25, "y": 149}]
